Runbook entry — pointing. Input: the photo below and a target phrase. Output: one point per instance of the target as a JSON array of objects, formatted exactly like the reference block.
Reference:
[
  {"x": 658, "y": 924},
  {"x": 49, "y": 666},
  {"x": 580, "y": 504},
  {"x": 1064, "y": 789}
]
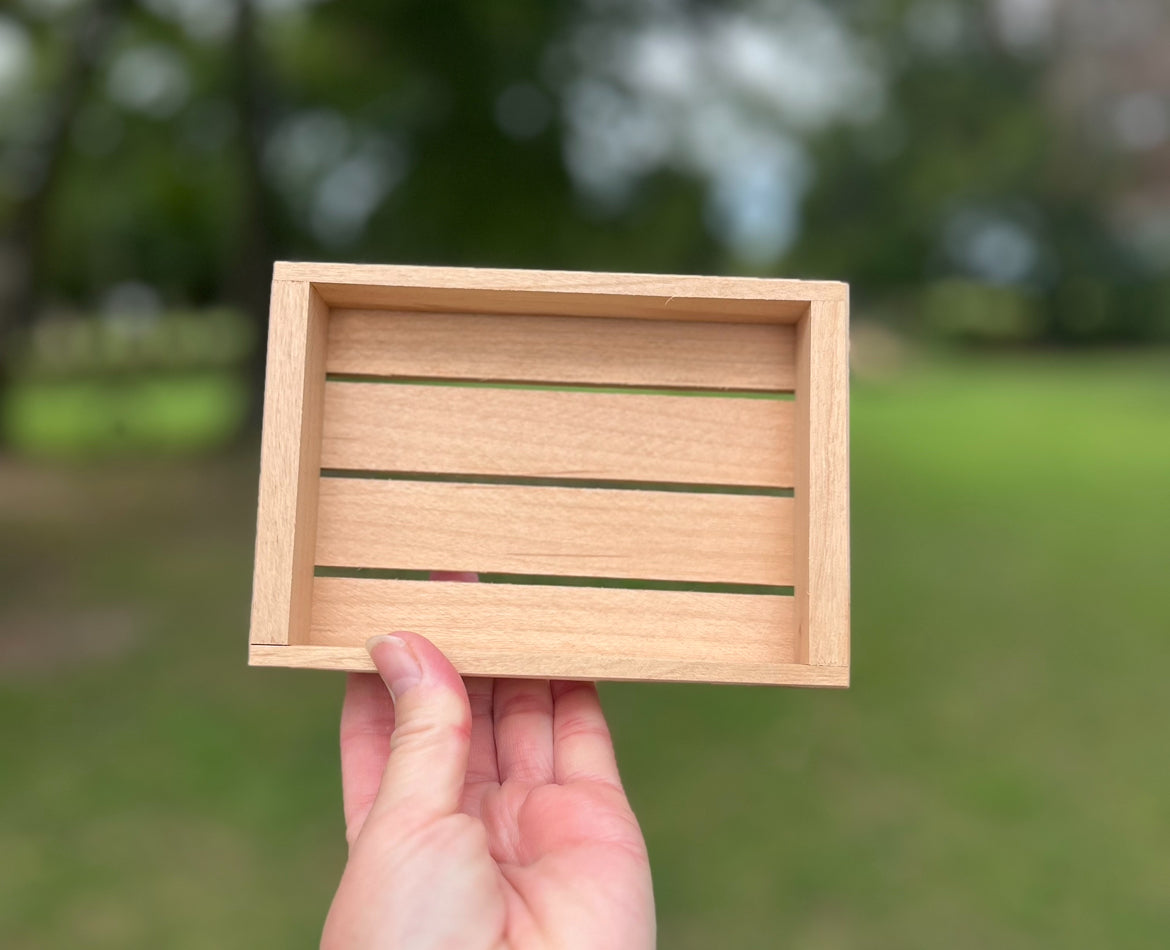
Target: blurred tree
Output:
[
  {"x": 41, "y": 149},
  {"x": 919, "y": 148},
  {"x": 970, "y": 175}
]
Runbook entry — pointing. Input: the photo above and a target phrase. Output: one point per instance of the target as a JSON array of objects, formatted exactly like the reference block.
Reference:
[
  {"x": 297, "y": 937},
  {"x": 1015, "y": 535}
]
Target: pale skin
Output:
[{"x": 482, "y": 814}]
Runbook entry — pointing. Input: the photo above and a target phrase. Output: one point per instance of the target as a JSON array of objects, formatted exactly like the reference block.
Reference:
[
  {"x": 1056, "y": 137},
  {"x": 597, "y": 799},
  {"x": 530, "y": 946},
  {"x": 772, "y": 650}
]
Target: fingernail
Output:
[{"x": 397, "y": 664}]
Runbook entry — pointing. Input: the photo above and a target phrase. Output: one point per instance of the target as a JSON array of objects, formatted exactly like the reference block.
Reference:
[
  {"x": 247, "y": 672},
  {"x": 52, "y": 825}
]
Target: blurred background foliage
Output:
[
  {"x": 991, "y": 176},
  {"x": 1006, "y": 156}
]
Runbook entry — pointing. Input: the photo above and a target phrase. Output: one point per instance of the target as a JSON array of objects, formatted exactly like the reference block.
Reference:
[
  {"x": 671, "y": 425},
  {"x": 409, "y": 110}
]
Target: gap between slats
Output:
[
  {"x": 561, "y": 580},
  {"x": 549, "y": 482},
  {"x": 455, "y": 382}
]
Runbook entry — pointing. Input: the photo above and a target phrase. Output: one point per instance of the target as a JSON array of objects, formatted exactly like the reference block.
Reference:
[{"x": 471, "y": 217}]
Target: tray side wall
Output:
[
  {"x": 822, "y": 485},
  {"x": 578, "y": 293},
  {"x": 290, "y": 460},
  {"x": 571, "y": 666}
]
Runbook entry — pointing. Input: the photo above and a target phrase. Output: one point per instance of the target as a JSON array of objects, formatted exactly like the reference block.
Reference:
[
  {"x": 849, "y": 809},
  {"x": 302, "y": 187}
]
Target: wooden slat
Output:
[
  {"x": 653, "y": 535},
  {"x": 569, "y": 666},
  {"x": 822, "y": 486},
  {"x": 586, "y": 350},
  {"x": 486, "y": 290},
  {"x": 289, "y": 464},
  {"x": 686, "y": 439},
  {"x": 543, "y": 620}
]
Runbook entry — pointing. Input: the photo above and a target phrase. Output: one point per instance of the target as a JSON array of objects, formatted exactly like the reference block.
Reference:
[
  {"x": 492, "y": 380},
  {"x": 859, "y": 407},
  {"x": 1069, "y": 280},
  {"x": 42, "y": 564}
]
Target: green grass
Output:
[
  {"x": 994, "y": 778},
  {"x": 172, "y": 413}
]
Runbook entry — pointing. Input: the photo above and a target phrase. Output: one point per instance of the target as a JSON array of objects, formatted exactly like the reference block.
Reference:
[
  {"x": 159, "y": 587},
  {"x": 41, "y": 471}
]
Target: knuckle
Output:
[
  {"x": 376, "y": 729},
  {"x": 582, "y": 727},
  {"x": 422, "y": 730},
  {"x": 523, "y": 704}
]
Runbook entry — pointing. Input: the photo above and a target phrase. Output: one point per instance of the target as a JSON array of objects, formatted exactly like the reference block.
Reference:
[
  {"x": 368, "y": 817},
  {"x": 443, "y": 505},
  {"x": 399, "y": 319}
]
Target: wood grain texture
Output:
[
  {"x": 588, "y": 532},
  {"x": 684, "y": 439},
  {"x": 559, "y": 328},
  {"x": 822, "y": 486},
  {"x": 289, "y": 464},
  {"x": 576, "y": 666},
  {"x": 580, "y": 350},
  {"x": 558, "y": 293},
  {"x": 539, "y": 620}
]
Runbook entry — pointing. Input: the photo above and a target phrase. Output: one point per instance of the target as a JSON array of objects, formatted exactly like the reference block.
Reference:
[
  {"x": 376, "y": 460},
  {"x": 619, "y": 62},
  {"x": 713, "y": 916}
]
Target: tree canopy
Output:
[{"x": 927, "y": 151}]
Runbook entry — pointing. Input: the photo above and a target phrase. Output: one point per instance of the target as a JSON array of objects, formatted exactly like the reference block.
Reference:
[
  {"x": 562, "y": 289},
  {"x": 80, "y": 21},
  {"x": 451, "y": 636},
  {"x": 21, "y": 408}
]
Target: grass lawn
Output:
[{"x": 996, "y": 776}]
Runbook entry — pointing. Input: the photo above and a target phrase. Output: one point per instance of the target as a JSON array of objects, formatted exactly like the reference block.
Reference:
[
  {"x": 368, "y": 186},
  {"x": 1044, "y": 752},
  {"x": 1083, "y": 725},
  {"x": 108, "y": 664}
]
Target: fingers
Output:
[
  {"x": 367, "y": 719},
  {"x": 482, "y": 773},
  {"x": 481, "y": 762},
  {"x": 432, "y": 731},
  {"x": 582, "y": 747},
  {"x": 523, "y": 712}
]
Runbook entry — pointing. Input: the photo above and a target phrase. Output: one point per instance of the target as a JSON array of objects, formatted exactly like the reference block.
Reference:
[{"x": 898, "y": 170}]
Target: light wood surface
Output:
[
  {"x": 822, "y": 486},
  {"x": 539, "y": 620},
  {"x": 558, "y": 328},
  {"x": 289, "y": 464},
  {"x": 580, "y": 350},
  {"x": 574, "y": 666},
  {"x": 486, "y": 290},
  {"x": 582, "y": 532},
  {"x": 683, "y": 439}
]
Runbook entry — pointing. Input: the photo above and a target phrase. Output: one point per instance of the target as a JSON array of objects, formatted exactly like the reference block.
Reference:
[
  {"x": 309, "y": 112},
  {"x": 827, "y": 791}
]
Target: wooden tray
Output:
[{"x": 649, "y": 473}]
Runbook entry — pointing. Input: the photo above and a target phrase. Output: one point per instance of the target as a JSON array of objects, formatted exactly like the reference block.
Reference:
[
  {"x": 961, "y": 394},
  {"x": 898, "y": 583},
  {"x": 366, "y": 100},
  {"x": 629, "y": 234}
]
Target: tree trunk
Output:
[
  {"x": 22, "y": 248},
  {"x": 251, "y": 280}
]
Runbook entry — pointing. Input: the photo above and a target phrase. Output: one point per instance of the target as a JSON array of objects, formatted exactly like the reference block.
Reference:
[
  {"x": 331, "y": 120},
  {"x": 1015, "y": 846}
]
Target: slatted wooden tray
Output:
[{"x": 648, "y": 473}]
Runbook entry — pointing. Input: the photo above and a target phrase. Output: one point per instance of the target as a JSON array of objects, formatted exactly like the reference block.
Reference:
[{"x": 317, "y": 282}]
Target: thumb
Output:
[{"x": 427, "y": 767}]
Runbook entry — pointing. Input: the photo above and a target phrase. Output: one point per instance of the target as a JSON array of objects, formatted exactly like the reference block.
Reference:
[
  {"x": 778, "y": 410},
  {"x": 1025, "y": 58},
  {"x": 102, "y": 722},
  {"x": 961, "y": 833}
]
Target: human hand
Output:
[{"x": 482, "y": 815}]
